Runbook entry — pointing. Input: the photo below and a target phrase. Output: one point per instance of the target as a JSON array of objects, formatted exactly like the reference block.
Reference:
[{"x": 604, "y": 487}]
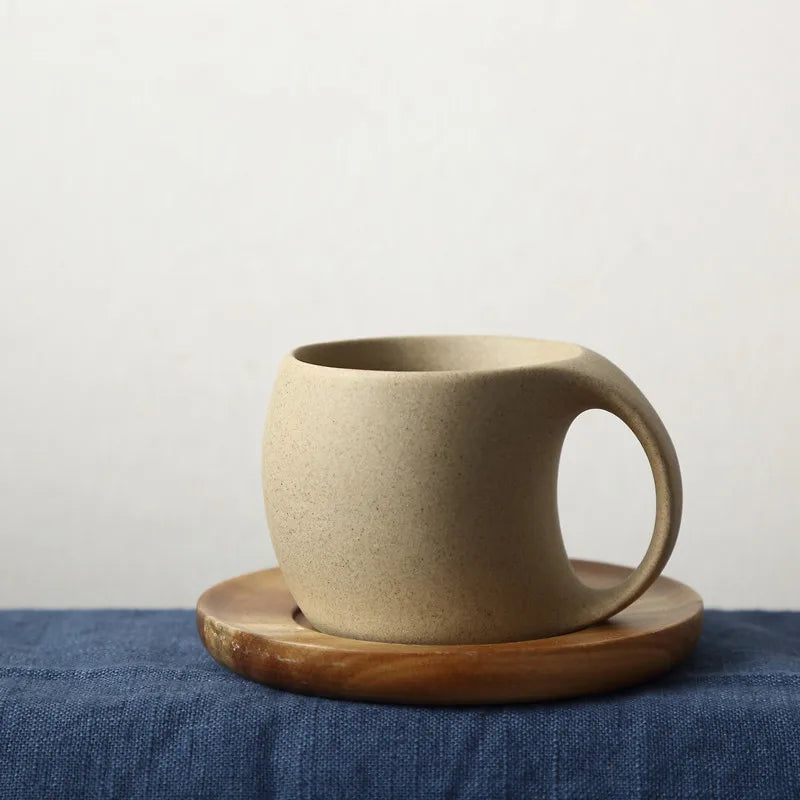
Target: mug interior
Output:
[{"x": 435, "y": 353}]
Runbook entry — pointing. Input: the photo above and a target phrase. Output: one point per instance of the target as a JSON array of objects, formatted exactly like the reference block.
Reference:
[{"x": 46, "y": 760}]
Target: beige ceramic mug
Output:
[{"x": 410, "y": 486}]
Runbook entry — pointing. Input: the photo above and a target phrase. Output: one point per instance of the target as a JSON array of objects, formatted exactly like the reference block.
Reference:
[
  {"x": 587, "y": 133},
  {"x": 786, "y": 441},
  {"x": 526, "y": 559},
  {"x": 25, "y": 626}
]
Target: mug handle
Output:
[{"x": 602, "y": 385}]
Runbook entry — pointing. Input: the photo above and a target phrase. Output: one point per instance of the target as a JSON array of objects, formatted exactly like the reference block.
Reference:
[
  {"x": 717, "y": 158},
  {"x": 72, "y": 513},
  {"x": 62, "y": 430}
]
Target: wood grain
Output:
[{"x": 252, "y": 626}]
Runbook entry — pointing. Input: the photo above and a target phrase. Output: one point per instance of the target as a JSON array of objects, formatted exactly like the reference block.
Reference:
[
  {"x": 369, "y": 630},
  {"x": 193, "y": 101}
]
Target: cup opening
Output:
[{"x": 435, "y": 353}]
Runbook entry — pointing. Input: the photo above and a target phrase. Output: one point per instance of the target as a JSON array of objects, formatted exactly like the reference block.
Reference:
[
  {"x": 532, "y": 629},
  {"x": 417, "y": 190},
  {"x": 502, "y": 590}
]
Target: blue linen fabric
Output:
[{"x": 128, "y": 704}]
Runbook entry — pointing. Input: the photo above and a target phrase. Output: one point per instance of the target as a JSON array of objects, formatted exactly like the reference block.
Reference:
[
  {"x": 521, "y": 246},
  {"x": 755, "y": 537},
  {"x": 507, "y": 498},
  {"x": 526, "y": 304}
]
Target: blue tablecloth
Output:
[{"x": 128, "y": 704}]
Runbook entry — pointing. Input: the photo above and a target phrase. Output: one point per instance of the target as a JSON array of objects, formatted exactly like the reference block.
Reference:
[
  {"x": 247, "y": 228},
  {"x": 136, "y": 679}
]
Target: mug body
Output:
[{"x": 410, "y": 487}]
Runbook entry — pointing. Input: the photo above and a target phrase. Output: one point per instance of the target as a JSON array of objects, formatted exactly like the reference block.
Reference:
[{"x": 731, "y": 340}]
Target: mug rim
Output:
[{"x": 348, "y": 356}]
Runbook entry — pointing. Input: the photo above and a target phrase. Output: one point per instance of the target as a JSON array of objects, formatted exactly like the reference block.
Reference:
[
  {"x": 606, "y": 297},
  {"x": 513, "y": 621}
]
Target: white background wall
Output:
[{"x": 189, "y": 189}]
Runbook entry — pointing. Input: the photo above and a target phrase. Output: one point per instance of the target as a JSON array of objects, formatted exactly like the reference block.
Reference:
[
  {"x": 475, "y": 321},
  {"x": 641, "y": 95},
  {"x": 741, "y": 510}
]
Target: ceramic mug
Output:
[{"x": 410, "y": 486}]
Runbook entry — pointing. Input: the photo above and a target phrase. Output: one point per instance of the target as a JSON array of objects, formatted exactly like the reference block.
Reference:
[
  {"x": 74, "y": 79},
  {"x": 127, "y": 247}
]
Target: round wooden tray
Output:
[{"x": 251, "y": 625}]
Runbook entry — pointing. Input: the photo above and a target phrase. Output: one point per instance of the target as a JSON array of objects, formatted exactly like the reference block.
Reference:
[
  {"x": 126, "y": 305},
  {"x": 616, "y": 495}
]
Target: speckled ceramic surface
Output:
[{"x": 410, "y": 486}]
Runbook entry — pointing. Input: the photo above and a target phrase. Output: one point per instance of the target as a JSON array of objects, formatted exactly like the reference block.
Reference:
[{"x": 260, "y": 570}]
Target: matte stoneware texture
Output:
[
  {"x": 252, "y": 625},
  {"x": 410, "y": 486}
]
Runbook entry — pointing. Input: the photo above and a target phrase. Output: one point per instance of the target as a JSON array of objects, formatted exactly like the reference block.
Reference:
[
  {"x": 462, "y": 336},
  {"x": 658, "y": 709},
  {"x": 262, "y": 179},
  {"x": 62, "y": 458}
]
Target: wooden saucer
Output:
[{"x": 251, "y": 625}]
